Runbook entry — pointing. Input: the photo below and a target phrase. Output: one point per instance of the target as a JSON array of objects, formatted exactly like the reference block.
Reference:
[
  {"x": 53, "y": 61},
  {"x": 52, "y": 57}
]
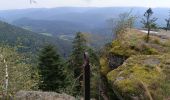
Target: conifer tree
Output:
[
  {"x": 79, "y": 47},
  {"x": 76, "y": 62},
  {"x": 149, "y": 22},
  {"x": 76, "y": 59},
  {"x": 51, "y": 70},
  {"x": 167, "y": 24}
]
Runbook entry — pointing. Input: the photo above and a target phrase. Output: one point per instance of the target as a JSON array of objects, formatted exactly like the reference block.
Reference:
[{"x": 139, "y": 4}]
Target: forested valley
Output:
[{"x": 44, "y": 58}]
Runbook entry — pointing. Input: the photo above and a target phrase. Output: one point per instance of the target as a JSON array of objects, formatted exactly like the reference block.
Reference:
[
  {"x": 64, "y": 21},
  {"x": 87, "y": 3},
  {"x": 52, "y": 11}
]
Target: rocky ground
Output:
[
  {"x": 37, "y": 95},
  {"x": 143, "y": 73}
]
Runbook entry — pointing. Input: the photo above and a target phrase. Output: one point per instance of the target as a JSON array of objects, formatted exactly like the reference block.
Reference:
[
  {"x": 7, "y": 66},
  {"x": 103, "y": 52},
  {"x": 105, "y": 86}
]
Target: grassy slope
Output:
[{"x": 145, "y": 74}]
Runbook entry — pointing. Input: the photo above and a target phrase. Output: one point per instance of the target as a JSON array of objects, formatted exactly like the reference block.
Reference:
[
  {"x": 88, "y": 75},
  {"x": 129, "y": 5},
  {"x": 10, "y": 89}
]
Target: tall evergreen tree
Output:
[
  {"x": 51, "y": 70},
  {"x": 79, "y": 47},
  {"x": 76, "y": 60}
]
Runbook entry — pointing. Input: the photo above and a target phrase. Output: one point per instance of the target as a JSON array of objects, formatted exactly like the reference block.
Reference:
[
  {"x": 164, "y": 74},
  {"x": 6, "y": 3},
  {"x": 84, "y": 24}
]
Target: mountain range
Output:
[{"x": 59, "y": 25}]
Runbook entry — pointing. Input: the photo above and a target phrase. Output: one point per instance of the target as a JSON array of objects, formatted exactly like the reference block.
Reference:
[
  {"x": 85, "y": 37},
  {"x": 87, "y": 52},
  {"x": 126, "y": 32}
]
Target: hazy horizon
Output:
[
  {"x": 129, "y": 8},
  {"x": 25, "y": 4}
]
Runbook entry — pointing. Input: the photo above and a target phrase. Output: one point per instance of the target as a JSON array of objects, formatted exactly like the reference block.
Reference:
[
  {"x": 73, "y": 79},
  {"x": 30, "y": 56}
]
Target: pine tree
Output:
[
  {"x": 79, "y": 47},
  {"x": 76, "y": 62},
  {"x": 51, "y": 70}
]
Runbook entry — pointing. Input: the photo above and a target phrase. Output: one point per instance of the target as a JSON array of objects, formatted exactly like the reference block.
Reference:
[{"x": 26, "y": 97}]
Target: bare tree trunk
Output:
[
  {"x": 148, "y": 26},
  {"x": 86, "y": 77},
  {"x": 167, "y": 25},
  {"x": 6, "y": 77}
]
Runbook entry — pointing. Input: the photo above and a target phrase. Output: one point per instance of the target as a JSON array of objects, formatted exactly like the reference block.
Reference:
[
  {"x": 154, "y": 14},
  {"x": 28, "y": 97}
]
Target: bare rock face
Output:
[
  {"x": 37, "y": 95},
  {"x": 116, "y": 60}
]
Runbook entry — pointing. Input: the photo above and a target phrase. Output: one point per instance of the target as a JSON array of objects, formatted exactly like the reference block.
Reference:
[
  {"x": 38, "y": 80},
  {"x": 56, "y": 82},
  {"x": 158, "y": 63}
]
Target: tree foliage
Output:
[
  {"x": 20, "y": 73},
  {"x": 168, "y": 23},
  {"x": 149, "y": 22},
  {"x": 51, "y": 70},
  {"x": 95, "y": 73},
  {"x": 76, "y": 61},
  {"x": 28, "y": 41},
  {"x": 120, "y": 24},
  {"x": 76, "y": 68}
]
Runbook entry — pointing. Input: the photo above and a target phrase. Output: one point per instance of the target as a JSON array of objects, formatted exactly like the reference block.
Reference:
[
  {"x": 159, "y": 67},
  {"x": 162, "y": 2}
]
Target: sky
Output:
[{"x": 22, "y": 4}]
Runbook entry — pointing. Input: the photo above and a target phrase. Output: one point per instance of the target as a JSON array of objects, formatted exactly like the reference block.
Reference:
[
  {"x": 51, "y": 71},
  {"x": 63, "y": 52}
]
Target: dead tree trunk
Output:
[
  {"x": 6, "y": 77},
  {"x": 86, "y": 66}
]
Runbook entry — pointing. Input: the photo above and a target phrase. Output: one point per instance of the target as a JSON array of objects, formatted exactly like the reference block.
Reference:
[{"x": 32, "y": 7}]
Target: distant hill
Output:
[
  {"x": 58, "y": 27},
  {"x": 28, "y": 41},
  {"x": 93, "y": 16},
  {"x": 53, "y": 27},
  {"x": 68, "y": 20},
  {"x": 64, "y": 22}
]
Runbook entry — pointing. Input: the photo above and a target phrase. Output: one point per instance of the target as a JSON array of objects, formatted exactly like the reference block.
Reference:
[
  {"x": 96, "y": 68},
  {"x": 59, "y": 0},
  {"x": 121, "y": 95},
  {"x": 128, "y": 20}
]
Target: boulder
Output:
[{"x": 37, "y": 95}]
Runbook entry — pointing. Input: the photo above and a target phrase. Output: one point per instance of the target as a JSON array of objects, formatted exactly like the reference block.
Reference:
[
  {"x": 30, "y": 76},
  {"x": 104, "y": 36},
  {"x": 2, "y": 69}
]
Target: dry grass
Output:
[{"x": 147, "y": 62}]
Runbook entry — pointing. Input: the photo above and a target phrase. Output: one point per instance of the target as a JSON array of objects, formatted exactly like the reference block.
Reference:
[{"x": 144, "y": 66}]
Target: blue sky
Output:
[{"x": 20, "y": 4}]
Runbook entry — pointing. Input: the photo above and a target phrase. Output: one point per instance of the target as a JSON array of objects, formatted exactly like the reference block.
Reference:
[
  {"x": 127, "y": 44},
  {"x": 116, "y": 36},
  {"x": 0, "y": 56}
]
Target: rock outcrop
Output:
[
  {"x": 37, "y": 95},
  {"x": 144, "y": 72}
]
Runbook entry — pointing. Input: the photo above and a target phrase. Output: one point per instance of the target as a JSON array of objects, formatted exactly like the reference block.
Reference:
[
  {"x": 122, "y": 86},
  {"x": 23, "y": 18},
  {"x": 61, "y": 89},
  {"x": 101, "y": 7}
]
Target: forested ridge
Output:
[
  {"x": 131, "y": 64},
  {"x": 28, "y": 41},
  {"x": 43, "y": 60}
]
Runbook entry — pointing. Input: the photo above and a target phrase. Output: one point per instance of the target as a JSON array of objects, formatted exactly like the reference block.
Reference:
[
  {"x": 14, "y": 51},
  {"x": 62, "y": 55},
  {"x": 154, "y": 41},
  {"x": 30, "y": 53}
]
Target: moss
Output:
[
  {"x": 111, "y": 76},
  {"x": 119, "y": 48},
  {"x": 128, "y": 78},
  {"x": 127, "y": 87},
  {"x": 104, "y": 66},
  {"x": 146, "y": 72}
]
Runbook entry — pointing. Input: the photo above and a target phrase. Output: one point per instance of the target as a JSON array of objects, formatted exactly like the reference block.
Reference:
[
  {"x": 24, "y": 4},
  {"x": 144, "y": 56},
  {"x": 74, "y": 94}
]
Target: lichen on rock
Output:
[{"x": 144, "y": 74}]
